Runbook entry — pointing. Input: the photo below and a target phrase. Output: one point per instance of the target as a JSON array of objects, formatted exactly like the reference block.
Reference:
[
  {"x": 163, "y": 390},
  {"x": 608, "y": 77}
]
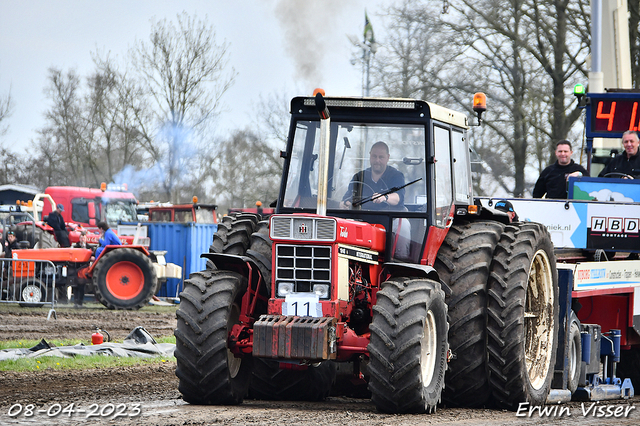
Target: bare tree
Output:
[
  {"x": 6, "y": 108},
  {"x": 147, "y": 122},
  {"x": 523, "y": 53},
  {"x": 59, "y": 141},
  {"x": 272, "y": 121},
  {"x": 182, "y": 72},
  {"x": 249, "y": 170}
]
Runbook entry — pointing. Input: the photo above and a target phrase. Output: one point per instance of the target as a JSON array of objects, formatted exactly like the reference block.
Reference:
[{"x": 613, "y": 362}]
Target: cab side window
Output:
[{"x": 443, "y": 179}]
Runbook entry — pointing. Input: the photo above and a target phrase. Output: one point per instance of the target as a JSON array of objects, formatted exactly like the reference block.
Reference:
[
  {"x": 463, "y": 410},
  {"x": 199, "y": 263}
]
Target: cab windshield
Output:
[
  {"x": 115, "y": 211},
  {"x": 365, "y": 160}
]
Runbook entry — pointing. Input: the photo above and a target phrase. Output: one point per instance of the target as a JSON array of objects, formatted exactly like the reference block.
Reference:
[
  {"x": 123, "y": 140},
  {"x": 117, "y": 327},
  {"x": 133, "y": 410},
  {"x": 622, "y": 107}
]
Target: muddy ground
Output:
[{"x": 150, "y": 392}]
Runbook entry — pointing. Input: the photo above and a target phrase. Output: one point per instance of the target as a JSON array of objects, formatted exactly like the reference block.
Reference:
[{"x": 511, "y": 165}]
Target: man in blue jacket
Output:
[{"x": 107, "y": 238}]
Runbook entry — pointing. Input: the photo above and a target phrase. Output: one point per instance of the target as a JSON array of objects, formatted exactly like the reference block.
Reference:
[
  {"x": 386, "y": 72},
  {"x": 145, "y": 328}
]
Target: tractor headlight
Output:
[
  {"x": 284, "y": 289},
  {"x": 321, "y": 290}
]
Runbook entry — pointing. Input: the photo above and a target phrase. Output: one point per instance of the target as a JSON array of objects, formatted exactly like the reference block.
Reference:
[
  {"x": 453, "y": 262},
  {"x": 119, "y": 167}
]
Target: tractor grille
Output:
[
  {"x": 303, "y": 265},
  {"x": 303, "y": 228}
]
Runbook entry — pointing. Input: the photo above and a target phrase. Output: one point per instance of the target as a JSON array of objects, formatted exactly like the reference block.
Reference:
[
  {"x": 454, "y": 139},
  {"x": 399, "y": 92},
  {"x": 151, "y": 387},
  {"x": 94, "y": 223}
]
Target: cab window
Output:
[
  {"x": 80, "y": 210},
  {"x": 444, "y": 193}
]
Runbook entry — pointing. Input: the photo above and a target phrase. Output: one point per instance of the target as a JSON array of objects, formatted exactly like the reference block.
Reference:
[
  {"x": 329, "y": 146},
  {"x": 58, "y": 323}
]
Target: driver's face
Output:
[
  {"x": 630, "y": 143},
  {"x": 379, "y": 159}
]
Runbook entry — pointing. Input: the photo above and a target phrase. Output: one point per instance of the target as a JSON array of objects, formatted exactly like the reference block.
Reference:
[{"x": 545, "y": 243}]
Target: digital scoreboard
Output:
[{"x": 609, "y": 115}]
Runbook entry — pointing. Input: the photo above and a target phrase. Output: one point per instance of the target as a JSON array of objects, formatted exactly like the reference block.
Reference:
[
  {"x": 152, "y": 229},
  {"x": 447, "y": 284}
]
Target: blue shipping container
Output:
[{"x": 184, "y": 243}]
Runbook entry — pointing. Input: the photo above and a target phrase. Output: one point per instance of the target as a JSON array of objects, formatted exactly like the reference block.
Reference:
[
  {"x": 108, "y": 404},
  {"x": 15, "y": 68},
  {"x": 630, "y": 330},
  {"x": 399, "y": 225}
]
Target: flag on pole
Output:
[{"x": 368, "y": 30}]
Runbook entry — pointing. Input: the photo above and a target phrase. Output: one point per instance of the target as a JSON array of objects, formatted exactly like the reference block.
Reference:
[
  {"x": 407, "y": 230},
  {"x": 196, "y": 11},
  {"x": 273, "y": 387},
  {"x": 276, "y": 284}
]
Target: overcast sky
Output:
[{"x": 36, "y": 35}]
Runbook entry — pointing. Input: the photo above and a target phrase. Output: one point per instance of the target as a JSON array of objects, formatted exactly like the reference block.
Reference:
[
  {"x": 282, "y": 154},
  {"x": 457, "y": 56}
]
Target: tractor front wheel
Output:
[
  {"x": 209, "y": 372},
  {"x": 124, "y": 278},
  {"x": 408, "y": 348},
  {"x": 33, "y": 294}
]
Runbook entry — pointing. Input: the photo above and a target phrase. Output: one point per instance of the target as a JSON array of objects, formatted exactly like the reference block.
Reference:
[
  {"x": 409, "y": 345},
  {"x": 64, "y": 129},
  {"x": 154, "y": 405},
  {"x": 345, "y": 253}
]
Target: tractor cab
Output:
[{"x": 402, "y": 164}]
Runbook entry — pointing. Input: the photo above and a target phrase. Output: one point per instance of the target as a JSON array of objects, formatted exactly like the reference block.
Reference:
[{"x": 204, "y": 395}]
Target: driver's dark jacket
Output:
[
  {"x": 623, "y": 164},
  {"x": 362, "y": 181}
]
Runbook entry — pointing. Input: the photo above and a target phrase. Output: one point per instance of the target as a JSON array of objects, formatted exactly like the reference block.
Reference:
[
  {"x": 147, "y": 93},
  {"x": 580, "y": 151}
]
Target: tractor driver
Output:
[{"x": 376, "y": 180}]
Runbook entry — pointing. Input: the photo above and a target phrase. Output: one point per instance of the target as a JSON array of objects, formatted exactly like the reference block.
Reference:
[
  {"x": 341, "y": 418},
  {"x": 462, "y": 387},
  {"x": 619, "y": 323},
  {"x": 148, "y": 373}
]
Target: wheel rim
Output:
[
  {"x": 539, "y": 320},
  {"x": 125, "y": 280},
  {"x": 428, "y": 352},
  {"x": 32, "y": 293},
  {"x": 573, "y": 357},
  {"x": 572, "y": 361},
  {"x": 233, "y": 362}
]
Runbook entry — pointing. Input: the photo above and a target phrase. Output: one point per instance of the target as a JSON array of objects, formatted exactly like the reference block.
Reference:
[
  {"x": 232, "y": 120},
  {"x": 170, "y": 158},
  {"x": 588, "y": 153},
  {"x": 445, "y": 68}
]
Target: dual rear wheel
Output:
[{"x": 503, "y": 310}]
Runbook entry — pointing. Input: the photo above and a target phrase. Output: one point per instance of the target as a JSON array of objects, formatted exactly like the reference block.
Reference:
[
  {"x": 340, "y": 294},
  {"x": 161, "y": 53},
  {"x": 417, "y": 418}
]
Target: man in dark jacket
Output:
[
  {"x": 627, "y": 163},
  {"x": 375, "y": 180},
  {"x": 10, "y": 244},
  {"x": 56, "y": 221},
  {"x": 553, "y": 179}
]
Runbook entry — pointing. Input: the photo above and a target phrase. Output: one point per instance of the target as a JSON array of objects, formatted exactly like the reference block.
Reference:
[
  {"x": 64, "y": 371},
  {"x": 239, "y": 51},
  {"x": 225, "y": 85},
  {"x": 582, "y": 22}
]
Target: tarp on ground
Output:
[{"x": 139, "y": 343}]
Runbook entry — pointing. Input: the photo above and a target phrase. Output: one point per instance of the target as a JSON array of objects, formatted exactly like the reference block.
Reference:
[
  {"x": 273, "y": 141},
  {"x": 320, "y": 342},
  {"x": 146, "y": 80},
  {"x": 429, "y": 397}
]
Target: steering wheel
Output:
[
  {"x": 620, "y": 175},
  {"x": 340, "y": 190}
]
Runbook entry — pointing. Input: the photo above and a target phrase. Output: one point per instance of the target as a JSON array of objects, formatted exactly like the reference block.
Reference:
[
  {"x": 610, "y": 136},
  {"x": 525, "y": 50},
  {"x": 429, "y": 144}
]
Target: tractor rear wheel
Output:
[
  {"x": 260, "y": 251},
  {"x": 408, "y": 348},
  {"x": 37, "y": 237},
  {"x": 270, "y": 382},
  {"x": 124, "y": 278},
  {"x": 522, "y": 325},
  {"x": 234, "y": 233},
  {"x": 209, "y": 373},
  {"x": 464, "y": 263}
]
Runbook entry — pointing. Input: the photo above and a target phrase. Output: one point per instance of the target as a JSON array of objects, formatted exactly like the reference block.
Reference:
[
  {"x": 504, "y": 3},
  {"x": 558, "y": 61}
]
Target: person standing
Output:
[
  {"x": 55, "y": 220},
  {"x": 553, "y": 179},
  {"x": 627, "y": 163},
  {"x": 107, "y": 238},
  {"x": 10, "y": 244}
]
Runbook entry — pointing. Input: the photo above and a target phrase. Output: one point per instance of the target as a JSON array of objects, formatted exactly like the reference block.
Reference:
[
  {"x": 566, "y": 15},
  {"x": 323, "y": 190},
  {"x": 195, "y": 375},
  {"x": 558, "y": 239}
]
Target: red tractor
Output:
[
  {"x": 121, "y": 278},
  {"x": 388, "y": 281}
]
